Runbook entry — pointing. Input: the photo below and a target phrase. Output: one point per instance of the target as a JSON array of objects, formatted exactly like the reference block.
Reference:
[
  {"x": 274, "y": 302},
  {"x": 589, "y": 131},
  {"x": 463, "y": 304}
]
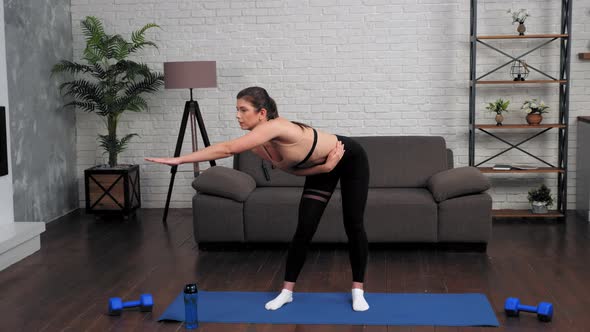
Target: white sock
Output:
[
  {"x": 358, "y": 300},
  {"x": 285, "y": 296}
]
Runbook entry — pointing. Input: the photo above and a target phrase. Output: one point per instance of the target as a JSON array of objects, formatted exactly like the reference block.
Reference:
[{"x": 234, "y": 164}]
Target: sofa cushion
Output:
[
  {"x": 401, "y": 215},
  {"x": 212, "y": 226},
  {"x": 394, "y": 161},
  {"x": 465, "y": 219},
  {"x": 392, "y": 215},
  {"x": 457, "y": 182},
  {"x": 271, "y": 214},
  {"x": 225, "y": 182},
  {"x": 404, "y": 161}
]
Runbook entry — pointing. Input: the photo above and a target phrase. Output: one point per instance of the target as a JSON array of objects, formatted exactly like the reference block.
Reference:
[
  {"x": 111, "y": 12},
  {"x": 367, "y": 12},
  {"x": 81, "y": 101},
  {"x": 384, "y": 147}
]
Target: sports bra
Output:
[
  {"x": 311, "y": 150},
  {"x": 315, "y": 142}
]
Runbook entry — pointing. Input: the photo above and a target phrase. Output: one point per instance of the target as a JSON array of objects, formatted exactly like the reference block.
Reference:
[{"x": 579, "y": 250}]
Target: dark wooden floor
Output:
[{"x": 83, "y": 262}]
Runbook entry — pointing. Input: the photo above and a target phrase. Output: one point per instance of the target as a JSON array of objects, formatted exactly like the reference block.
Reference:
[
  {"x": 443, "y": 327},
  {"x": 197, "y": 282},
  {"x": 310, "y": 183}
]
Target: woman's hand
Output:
[
  {"x": 334, "y": 157},
  {"x": 165, "y": 161}
]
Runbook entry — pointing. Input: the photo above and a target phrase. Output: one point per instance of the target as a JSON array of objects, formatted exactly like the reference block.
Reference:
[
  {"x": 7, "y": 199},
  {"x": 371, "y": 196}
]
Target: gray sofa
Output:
[{"x": 415, "y": 196}]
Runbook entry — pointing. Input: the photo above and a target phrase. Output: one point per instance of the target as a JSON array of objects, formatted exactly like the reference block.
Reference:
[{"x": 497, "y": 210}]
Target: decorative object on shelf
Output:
[
  {"x": 498, "y": 107},
  {"x": 519, "y": 70},
  {"x": 501, "y": 167},
  {"x": 110, "y": 85},
  {"x": 524, "y": 167},
  {"x": 519, "y": 16},
  {"x": 535, "y": 109},
  {"x": 534, "y": 119},
  {"x": 540, "y": 199}
]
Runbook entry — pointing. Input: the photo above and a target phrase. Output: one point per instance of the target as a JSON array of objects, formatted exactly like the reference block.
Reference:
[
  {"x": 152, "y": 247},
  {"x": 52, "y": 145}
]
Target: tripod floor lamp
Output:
[{"x": 189, "y": 75}]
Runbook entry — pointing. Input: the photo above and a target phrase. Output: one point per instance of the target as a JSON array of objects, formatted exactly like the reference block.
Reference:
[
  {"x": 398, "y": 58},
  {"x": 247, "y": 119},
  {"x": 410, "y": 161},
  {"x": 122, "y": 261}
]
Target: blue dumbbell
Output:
[
  {"x": 544, "y": 310},
  {"x": 116, "y": 305}
]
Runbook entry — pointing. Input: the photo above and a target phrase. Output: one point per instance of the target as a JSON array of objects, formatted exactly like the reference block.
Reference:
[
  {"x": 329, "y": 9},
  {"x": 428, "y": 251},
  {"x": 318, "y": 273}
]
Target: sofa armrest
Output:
[
  {"x": 457, "y": 182},
  {"x": 225, "y": 182}
]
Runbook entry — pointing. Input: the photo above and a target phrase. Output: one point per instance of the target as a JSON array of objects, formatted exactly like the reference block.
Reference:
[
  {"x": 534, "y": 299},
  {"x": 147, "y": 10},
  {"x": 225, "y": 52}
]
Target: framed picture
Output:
[{"x": 3, "y": 144}]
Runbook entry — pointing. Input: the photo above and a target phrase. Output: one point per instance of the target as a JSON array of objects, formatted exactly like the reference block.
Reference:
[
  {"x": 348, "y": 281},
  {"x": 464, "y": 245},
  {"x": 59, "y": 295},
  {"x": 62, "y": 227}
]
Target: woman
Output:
[{"x": 301, "y": 150}]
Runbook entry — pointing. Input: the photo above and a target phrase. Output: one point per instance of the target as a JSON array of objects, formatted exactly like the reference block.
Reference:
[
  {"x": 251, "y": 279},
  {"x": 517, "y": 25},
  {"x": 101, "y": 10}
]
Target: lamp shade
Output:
[{"x": 190, "y": 74}]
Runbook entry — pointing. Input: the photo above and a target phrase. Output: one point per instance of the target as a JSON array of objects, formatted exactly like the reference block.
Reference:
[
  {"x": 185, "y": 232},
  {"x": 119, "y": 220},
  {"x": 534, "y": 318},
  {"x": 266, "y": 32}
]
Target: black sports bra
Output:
[{"x": 315, "y": 141}]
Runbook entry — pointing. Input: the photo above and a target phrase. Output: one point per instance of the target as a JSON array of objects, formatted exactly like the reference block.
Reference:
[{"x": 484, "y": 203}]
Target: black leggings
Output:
[{"x": 353, "y": 173}]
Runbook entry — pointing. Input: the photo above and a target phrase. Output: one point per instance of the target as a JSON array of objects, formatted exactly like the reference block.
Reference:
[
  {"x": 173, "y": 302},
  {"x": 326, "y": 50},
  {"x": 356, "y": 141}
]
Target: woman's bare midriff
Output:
[
  {"x": 291, "y": 147},
  {"x": 326, "y": 142}
]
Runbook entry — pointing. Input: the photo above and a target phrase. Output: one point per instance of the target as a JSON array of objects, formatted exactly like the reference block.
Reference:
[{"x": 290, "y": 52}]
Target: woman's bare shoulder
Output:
[{"x": 288, "y": 131}]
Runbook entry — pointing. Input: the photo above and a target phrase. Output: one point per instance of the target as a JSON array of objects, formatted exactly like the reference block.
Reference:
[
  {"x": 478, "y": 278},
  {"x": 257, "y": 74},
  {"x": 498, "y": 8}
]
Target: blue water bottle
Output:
[{"x": 191, "y": 320}]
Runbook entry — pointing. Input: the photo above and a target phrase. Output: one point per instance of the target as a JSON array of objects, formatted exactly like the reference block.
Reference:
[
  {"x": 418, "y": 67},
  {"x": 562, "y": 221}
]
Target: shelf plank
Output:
[
  {"x": 510, "y": 213},
  {"x": 584, "y": 56},
  {"x": 534, "y": 36},
  {"x": 523, "y": 82},
  {"x": 520, "y": 126},
  {"x": 537, "y": 170}
]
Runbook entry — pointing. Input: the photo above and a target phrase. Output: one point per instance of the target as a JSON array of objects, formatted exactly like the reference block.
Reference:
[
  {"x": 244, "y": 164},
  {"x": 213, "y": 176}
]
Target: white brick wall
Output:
[{"x": 352, "y": 67}]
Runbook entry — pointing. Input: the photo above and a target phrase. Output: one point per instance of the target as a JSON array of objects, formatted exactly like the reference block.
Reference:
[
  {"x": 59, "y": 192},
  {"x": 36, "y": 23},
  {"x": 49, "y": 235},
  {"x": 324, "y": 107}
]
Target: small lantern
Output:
[{"x": 519, "y": 70}]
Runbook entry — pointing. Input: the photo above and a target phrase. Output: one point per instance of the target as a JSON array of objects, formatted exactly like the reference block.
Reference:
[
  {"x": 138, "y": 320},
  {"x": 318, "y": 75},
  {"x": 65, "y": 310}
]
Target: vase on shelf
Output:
[
  {"x": 534, "y": 119},
  {"x": 499, "y": 119},
  {"x": 521, "y": 29},
  {"x": 539, "y": 207}
]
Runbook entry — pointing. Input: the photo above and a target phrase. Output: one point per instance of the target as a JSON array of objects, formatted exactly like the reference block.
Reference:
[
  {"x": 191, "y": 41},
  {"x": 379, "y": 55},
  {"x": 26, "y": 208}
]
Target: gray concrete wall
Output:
[
  {"x": 6, "y": 192},
  {"x": 43, "y": 135}
]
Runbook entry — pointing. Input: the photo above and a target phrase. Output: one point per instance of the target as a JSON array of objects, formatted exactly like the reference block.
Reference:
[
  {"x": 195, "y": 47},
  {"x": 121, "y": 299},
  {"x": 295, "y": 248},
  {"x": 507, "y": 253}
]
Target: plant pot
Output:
[
  {"x": 534, "y": 119},
  {"x": 112, "y": 190},
  {"x": 499, "y": 119},
  {"x": 521, "y": 29},
  {"x": 539, "y": 207}
]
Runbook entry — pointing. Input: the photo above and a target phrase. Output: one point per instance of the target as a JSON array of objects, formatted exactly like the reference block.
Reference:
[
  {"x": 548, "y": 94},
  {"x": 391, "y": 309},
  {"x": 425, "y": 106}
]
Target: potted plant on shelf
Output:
[
  {"x": 109, "y": 84},
  {"x": 499, "y": 106},
  {"x": 540, "y": 199},
  {"x": 535, "y": 110},
  {"x": 519, "y": 16}
]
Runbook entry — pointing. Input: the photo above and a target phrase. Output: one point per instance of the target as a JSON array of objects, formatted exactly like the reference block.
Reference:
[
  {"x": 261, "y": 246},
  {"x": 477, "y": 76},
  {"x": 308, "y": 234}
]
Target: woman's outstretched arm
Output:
[{"x": 259, "y": 135}]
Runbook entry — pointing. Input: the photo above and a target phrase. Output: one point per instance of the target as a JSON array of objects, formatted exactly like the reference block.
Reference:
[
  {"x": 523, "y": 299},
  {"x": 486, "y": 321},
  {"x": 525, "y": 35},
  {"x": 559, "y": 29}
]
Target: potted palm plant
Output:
[
  {"x": 540, "y": 199},
  {"x": 499, "y": 106},
  {"x": 109, "y": 84}
]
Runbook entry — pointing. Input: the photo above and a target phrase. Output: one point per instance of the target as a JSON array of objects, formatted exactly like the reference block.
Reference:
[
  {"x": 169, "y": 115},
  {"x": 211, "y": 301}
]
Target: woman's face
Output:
[{"x": 247, "y": 116}]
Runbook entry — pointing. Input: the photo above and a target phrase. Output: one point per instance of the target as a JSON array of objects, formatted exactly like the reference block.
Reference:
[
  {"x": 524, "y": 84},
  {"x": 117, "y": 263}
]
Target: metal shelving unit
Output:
[{"x": 563, "y": 85}]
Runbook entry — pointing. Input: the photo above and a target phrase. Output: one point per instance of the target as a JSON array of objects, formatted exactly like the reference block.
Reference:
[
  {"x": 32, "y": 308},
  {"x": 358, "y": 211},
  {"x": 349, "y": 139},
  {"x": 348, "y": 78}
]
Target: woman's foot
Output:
[
  {"x": 284, "y": 297},
  {"x": 358, "y": 300}
]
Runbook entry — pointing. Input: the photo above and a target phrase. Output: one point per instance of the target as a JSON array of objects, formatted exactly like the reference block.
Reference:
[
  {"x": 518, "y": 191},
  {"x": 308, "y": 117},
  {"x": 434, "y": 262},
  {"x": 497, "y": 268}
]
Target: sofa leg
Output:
[
  {"x": 482, "y": 247},
  {"x": 202, "y": 247}
]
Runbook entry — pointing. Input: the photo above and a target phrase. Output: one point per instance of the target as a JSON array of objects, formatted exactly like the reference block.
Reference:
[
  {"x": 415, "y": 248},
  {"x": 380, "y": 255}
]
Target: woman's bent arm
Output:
[{"x": 331, "y": 161}]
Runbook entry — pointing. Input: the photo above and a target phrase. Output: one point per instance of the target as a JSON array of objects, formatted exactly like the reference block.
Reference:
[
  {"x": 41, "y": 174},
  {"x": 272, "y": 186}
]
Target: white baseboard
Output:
[{"x": 19, "y": 240}]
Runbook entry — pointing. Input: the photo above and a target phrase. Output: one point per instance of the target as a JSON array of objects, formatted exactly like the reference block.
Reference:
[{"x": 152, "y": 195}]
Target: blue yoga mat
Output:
[{"x": 336, "y": 308}]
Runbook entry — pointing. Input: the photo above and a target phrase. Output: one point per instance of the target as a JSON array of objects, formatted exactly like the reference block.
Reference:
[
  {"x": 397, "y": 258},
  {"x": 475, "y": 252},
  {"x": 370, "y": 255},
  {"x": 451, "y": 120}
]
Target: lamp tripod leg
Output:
[
  {"x": 203, "y": 130},
  {"x": 191, "y": 111},
  {"x": 173, "y": 170},
  {"x": 194, "y": 140}
]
